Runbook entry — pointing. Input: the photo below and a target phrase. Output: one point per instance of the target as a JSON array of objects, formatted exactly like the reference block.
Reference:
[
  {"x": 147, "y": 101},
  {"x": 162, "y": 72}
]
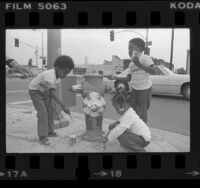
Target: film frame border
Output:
[{"x": 83, "y": 15}]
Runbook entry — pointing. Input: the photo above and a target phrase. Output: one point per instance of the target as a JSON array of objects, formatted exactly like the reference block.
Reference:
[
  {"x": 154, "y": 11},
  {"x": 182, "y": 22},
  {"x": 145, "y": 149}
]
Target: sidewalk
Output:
[{"x": 21, "y": 136}]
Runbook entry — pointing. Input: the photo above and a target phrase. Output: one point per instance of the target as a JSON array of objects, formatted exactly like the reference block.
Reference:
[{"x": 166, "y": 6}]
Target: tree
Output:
[{"x": 181, "y": 71}]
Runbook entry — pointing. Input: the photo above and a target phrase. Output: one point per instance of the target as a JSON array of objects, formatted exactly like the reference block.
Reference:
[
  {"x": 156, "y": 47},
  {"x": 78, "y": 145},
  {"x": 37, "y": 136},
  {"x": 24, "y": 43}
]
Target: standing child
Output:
[
  {"x": 131, "y": 131},
  {"x": 42, "y": 89},
  {"x": 139, "y": 69}
]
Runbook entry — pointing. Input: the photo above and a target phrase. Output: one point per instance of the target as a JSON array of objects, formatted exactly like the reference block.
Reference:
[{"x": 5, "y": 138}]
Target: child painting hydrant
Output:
[
  {"x": 92, "y": 91},
  {"x": 130, "y": 130}
]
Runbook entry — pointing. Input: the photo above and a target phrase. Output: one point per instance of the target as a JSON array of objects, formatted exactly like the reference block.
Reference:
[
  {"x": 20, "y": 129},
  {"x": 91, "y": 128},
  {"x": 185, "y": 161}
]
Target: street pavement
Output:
[
  {"x": 21, "y": 136},
  {"x": 168, "y": 119}
]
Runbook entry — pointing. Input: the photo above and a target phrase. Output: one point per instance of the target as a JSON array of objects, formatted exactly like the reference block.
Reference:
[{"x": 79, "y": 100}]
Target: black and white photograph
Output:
[{"x": 114, "y": 90}]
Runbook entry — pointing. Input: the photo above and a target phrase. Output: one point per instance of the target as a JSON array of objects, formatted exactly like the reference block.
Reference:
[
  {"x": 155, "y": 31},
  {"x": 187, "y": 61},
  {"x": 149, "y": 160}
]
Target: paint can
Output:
[
  {"x": 101, "y": 146},
  {"x": 72, "y": 140}
]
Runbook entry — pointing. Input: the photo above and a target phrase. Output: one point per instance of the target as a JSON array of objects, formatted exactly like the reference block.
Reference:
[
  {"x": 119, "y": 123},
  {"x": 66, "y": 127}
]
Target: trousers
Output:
[
  {"x": 141, "y": 102},
  {"x": 43, "y": 105},
  {"x": 133, "y": 142}
]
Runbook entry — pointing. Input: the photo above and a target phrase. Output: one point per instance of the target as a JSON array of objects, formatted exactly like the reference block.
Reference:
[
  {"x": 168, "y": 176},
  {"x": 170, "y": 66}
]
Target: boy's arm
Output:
[
  {"x": 149, "y": 69},
  {"x": 121, "y": 79},
  {"x": 112, "y": 125},
  {"x": 125, "y": 124},
  {"x": 116, "y": 132},
  {"x": 52, "y": 93}
]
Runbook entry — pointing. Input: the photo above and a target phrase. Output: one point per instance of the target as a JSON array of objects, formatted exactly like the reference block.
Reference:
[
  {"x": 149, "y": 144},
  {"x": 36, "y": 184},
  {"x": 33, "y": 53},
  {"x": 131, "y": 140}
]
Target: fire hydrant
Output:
[{"x": 92, "y": 90}]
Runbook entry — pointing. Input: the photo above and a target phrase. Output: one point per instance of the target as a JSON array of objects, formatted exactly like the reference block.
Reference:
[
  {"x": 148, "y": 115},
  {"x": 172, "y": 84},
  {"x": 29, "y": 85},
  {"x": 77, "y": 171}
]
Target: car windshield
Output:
[{"x": 167, "y": 70}]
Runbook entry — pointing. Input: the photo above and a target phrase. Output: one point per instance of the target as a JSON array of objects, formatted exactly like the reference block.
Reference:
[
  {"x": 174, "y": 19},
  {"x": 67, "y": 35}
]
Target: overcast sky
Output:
[{"x": 96, "y": 44}]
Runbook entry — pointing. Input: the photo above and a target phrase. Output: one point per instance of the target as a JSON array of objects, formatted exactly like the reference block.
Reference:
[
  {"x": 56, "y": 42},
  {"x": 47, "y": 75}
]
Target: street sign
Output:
[
  {"x": 148, "y": 43},
  {"x": 147, "y": 51}
]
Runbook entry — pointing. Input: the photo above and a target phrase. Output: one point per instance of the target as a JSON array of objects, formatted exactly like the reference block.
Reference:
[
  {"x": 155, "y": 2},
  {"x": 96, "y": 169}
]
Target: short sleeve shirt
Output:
[
  {"x": 140, "y": 78},
  {"x": 131, "y": 122},
  {"x": 44, "y": 81}
]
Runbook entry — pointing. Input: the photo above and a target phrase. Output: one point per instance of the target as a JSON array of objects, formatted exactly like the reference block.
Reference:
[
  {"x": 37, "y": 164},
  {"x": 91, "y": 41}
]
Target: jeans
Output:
[
  {"x": 141, "y": 102},
  {"x": 42, "y": 103},
  {"x": 132, "y": 142}
]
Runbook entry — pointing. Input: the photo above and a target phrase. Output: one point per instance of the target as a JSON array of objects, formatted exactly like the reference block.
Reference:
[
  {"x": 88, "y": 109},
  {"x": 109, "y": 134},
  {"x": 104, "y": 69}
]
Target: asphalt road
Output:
[{"x": 166, "y": 112}]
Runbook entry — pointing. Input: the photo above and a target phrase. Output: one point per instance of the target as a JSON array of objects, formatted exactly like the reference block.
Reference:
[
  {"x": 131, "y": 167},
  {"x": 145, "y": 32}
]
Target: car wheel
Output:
[{"x": 186, "y": 91}]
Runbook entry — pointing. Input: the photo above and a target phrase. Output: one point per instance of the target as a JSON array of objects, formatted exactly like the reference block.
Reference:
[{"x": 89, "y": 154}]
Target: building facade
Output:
[{"x": 116, "y": 66}]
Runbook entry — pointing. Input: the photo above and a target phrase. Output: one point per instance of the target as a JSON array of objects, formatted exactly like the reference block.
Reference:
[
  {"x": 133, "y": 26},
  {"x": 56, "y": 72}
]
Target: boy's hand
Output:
[
  {"x": 112, "y": 126},
  {"x": 86, "y": 94},
  {"x": 47, "y": 85},
  {"x": 111, "y": 77},
  {"x": 136, "y": 61}
]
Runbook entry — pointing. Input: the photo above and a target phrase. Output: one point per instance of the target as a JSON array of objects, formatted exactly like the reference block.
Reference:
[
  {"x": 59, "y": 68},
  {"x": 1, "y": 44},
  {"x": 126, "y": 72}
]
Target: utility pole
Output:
[
  {"x": 86, "y": 59},
  {"x": 147, "y": 35},
  {"x": 42, "y": 49},
  {"x": 53, "y": 51},
  {"x": 188, "y": 62},
  {"x": 42, "y": 46},
  {"x": 62, "y": 89},
  {"x": 36, "y": 55},
  {"x": 42, "y": 53},
  {"x": 172, "y": 49}
]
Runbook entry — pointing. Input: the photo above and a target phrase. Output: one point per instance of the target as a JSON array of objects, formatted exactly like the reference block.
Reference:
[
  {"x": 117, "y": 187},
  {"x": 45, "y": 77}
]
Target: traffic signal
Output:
[
  {"x": 112, "y": 35},
  {"x": 43, "y": 62},
  {"x": 147, "y": 50},
  {"x": 16, "y": 42}
]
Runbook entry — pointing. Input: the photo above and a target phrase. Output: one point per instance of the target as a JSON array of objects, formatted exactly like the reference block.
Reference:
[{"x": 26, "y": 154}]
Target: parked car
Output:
[{"x": 164, "y": 81}]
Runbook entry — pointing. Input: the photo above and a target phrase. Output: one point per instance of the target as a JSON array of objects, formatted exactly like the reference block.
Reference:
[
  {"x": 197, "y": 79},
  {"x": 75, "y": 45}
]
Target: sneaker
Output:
[
  {"x": 44, "y": 140},
  {"x": 53, "y": 134}
]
